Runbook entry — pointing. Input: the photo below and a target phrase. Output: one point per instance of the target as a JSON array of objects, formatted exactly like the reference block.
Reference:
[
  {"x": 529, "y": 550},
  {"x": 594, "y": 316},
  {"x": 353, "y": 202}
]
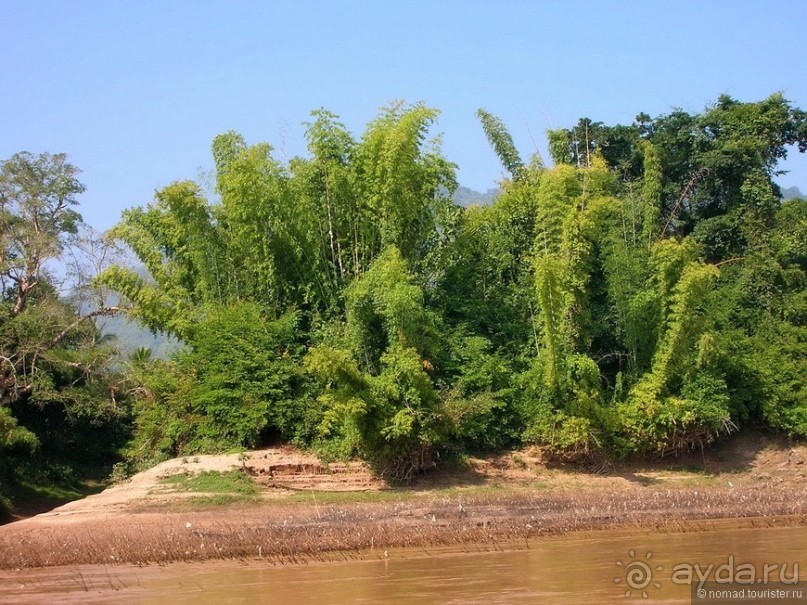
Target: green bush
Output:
[{"x": 236, "y": 381}]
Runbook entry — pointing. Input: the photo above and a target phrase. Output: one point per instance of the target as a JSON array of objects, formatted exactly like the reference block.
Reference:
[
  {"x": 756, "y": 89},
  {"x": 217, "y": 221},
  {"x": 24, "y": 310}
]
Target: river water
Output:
[{"x": 596, "y": 567}]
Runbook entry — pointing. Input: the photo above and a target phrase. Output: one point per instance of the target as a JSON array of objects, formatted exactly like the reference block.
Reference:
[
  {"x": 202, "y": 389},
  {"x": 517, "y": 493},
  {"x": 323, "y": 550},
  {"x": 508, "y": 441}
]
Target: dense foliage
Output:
[
  {"x": 646, "y": 294},
  {"x": 61, "y": 404}
]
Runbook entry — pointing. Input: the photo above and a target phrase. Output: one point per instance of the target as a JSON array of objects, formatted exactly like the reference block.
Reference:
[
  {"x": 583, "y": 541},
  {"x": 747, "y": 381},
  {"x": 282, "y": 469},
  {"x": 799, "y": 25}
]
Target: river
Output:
[{"x": 598, "y": 567}]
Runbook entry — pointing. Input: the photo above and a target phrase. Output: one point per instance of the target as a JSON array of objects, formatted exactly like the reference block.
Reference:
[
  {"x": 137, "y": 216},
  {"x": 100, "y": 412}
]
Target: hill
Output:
[
  {"x": 465, "y": 196},
  {"x": 789, "y": 193}
]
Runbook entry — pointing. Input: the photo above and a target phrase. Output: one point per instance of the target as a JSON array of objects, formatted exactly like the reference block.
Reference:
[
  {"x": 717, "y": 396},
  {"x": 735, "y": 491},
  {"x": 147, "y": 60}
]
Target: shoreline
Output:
[
  {"x": 527, "y": 571},
  {"x": 301, "y": 510},
  {"x": 309, "y": 532}
]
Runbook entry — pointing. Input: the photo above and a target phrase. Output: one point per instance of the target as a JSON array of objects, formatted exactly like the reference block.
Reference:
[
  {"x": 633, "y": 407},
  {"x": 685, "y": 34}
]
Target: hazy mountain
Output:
[
  {"x": 130, "y": 336},
  {"x": 468, "y": 197},
  {"x": 788, "y": 193}
]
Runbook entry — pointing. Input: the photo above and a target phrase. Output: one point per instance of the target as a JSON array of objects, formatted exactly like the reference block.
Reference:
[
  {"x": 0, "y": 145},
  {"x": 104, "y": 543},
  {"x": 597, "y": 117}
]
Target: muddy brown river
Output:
[{"x": 602, "y": 567}]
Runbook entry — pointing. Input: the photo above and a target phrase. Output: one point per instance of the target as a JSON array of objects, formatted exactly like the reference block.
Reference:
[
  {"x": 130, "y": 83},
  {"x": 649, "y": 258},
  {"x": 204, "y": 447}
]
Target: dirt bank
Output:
[{"x": 307, "y": 510}]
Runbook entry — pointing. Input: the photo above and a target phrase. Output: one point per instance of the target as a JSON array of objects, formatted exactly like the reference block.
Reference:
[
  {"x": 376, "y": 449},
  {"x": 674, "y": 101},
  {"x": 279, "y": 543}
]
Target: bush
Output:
[
  {"x": 237, "y": 380},
  {"x": 649, "y": 422}
]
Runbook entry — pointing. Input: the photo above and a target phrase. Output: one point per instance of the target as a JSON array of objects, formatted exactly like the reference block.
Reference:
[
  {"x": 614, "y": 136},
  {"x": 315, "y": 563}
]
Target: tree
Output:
[
  {"x": 645, "y": 294},
  {"x": 707, "y": 160},
  {"x": 37, "y": 195},
  {"x": 236, "y": 384},
  {"x": 377, "y": 394},
  {"x": 288, "y": 236},
  {"x": 58, "y": 392},
  {"x": 402, "y": 181},
  {"x": 37, "y": 222}
]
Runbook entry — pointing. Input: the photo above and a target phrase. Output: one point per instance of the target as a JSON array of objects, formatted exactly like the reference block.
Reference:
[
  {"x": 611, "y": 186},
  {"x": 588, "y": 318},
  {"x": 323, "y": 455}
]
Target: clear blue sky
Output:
[{"x": 134, "y": 91}]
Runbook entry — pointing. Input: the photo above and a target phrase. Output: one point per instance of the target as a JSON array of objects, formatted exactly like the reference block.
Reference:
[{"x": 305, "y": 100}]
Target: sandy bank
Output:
[{"x": 301, "y": 514}]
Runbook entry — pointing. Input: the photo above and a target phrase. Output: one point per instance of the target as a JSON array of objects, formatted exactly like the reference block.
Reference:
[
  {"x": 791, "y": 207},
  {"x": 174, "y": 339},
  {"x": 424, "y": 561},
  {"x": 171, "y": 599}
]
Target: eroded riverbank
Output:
[
  {"x": 295, "y": 533},
  {"x": 512, "y": 499}
]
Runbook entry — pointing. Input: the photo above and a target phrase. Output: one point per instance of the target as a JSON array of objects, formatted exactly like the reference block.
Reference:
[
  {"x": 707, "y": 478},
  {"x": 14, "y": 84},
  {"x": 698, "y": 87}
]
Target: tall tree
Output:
[
  {"x": 58, "y": 391},
  {"x": 37, "y": 196},
  {"x": 378, "y": 395},
  {"x": 37, "y": 220}
]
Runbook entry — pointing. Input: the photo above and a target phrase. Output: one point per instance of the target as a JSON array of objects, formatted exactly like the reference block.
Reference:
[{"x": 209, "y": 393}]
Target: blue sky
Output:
[{"x": 134, "y": 91}]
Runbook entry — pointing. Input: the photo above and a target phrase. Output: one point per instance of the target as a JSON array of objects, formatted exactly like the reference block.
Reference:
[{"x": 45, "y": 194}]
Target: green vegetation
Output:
[
  {"x": 213, "y": 482},
  {"x": 214, "y": 488},
  {"x": 644, "y": 295},
  {"x": 62, "y": 405}
]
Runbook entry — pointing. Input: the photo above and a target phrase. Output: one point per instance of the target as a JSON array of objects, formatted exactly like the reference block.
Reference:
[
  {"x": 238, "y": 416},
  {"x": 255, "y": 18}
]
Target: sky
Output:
[{"x": 135, "y": 91}]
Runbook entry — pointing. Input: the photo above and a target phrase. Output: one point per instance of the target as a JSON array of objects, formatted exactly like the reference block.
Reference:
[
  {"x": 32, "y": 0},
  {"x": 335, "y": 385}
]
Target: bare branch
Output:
[
  {"x": 685, "y": 193},
  {"x": 103, "y": 312}
]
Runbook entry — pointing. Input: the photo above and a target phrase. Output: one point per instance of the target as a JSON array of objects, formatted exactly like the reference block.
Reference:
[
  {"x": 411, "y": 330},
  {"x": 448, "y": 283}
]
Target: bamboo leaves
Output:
[{"x": 583, "y": 310}]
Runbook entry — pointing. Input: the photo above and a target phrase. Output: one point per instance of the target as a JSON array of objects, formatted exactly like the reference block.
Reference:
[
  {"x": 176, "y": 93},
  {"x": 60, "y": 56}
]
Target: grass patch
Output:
[
  {"x": 50, "y": 491},
  {"x": 29, "y": 496},
  {"x": 213, "y": 482}
]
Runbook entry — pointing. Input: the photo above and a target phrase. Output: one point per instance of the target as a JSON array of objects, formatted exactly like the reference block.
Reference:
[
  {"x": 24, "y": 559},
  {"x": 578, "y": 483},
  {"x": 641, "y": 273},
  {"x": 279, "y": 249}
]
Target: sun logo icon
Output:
[{"x": 638, "y": 574}]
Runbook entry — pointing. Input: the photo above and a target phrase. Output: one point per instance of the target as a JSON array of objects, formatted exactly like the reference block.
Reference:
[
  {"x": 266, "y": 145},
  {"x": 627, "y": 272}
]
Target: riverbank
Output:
[{"x": 303, "y": 510}]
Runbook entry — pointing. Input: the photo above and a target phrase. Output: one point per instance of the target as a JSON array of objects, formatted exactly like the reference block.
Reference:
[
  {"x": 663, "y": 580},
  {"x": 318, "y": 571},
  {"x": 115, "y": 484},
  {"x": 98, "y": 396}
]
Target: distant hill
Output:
[
  {"x": 131, "y": 336},
  {"x": 465, "y": 196},
  {"x": 468, "y": 197}
]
